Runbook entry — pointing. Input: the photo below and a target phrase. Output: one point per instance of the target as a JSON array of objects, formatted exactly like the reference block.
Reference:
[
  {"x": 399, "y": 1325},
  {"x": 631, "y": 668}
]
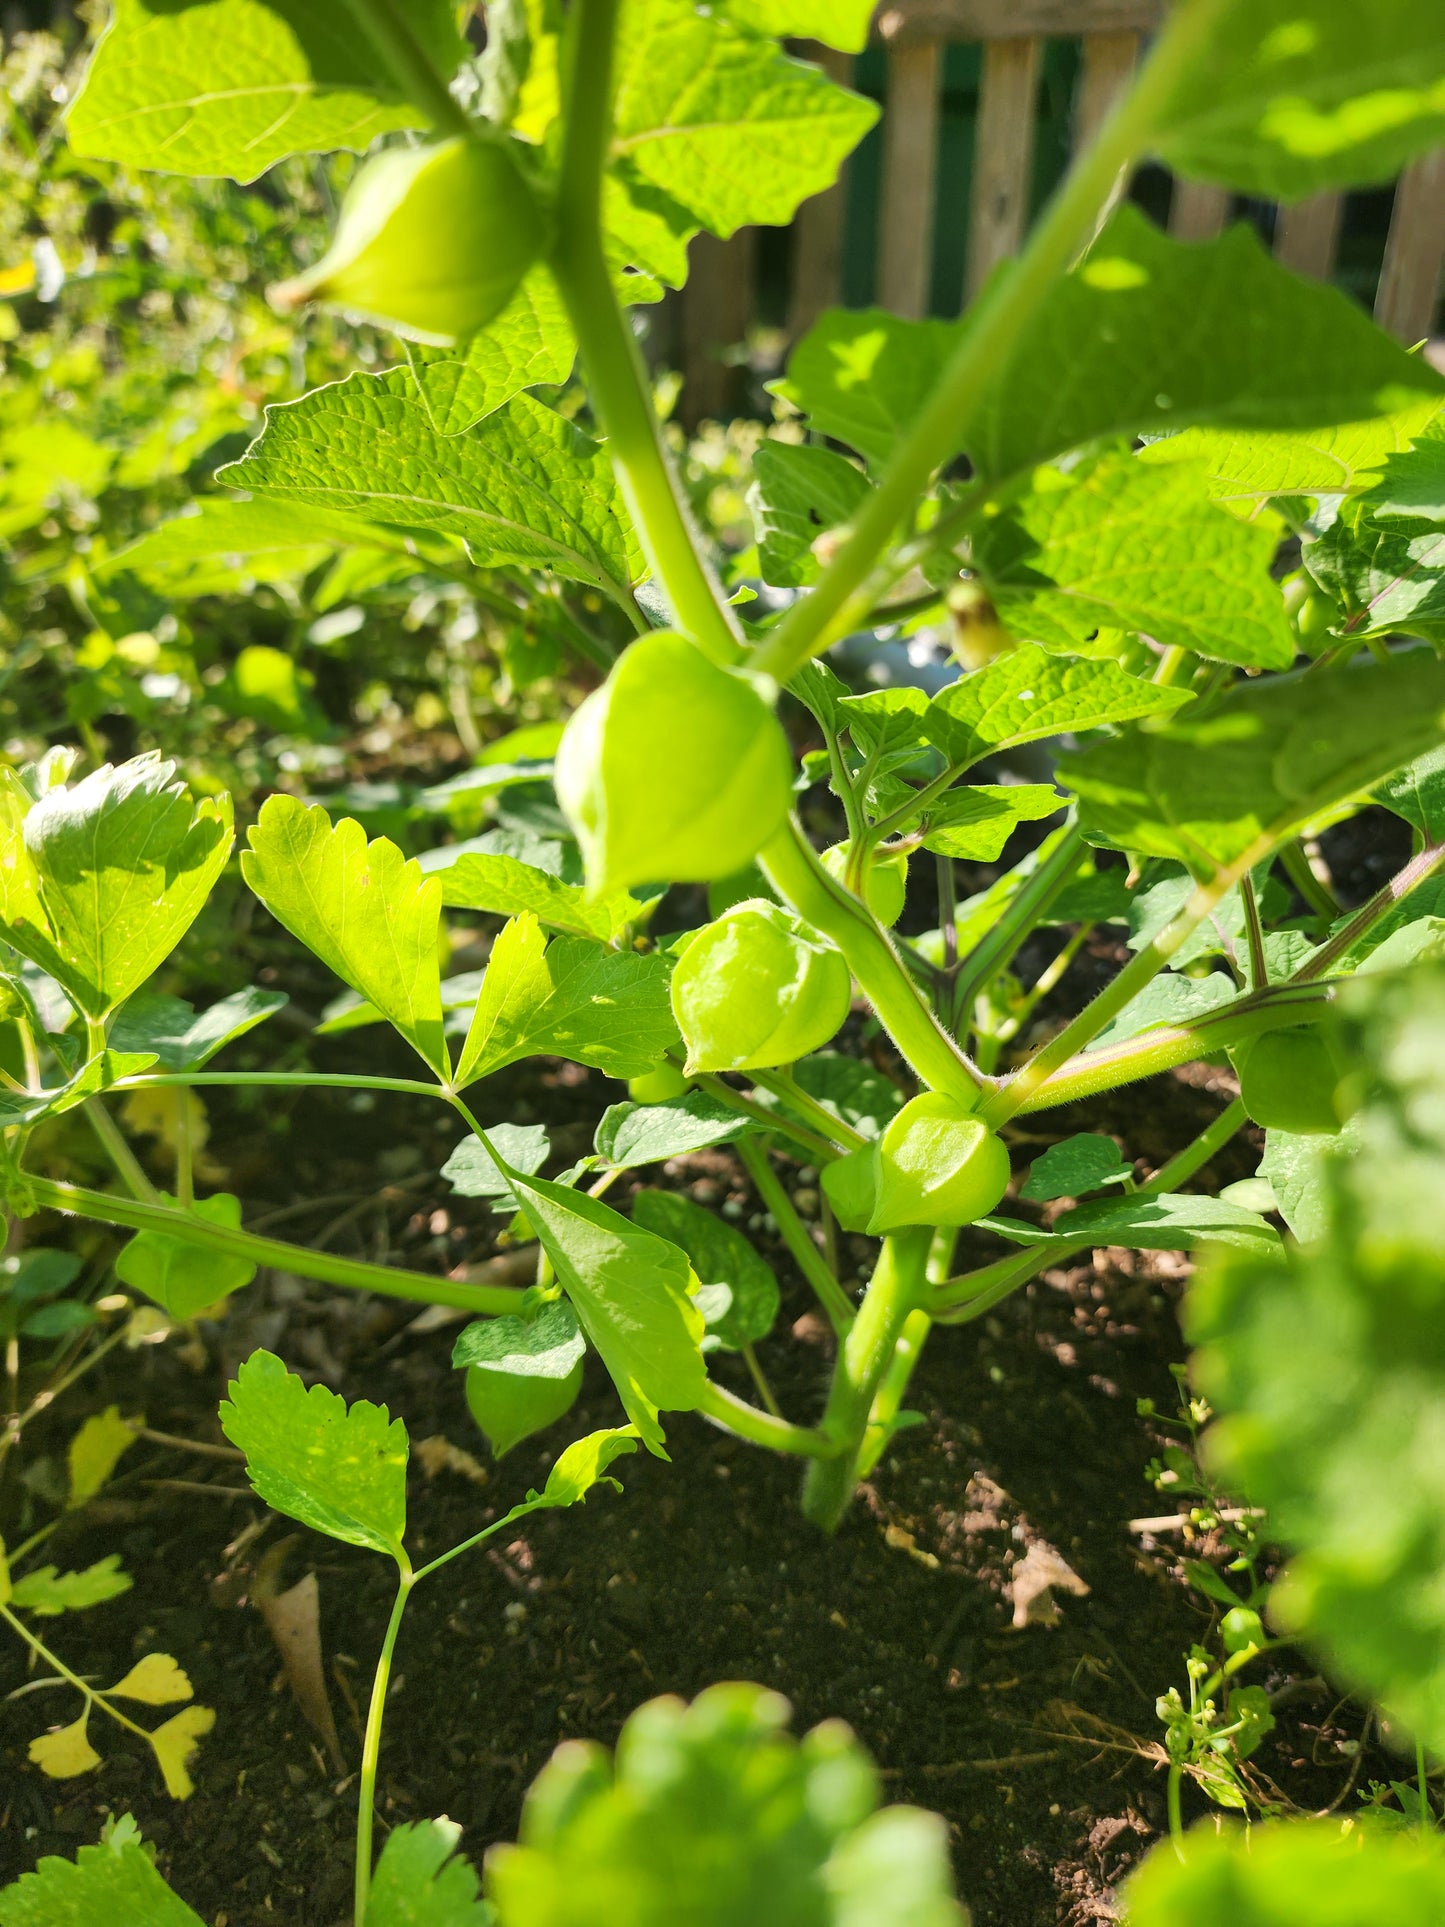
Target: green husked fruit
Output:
[
  {"x": 432, "y": 242},
  {"x": 656, "y": 1087},
  {"x": 937, "y": 1164},
  {"x": 1287, "y": 1079},
  {"x": 674, "y": 770},
  {"x": 758, "y": 988},
  {"x": 885, "y": 881},
  {"x": 850, "y": 1185},
  {"x": 509, "y": 1409}
]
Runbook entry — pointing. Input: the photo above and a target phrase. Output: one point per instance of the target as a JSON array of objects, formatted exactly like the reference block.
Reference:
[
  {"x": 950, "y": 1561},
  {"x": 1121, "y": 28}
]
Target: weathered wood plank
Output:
[
  {"x": 1409, "y": 290},
  {"x": 818, "y": 226},
  {"x": 1198, "y": 211},
  {"x": 1108, "y": 66},
  {"x": 717, "y": 308},
  {"x": 910, "y": 175},
  {"x": 1307, "y": 234},
  {"x": 904, "y": 20},
  {"x": 1003, "y": 156}
]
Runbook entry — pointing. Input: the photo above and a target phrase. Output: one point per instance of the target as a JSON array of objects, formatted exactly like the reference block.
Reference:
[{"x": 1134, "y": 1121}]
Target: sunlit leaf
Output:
[{"x": 95, "y": 1451}]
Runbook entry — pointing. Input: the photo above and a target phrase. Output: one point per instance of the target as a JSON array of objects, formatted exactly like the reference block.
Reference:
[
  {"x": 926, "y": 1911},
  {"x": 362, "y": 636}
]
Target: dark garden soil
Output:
[{"x": 1038, "y": 1745}]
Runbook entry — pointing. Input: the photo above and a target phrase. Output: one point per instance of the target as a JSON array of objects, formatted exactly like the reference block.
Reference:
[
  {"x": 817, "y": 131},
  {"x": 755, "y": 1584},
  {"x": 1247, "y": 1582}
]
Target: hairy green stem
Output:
[
  {"x": 390, "y": 31},
  {"x": 371, "y": 1742},
  {"x": 790, "y": 865},
  {"x": 616, "y": 379},
  {"x": 1297, "y": 869},
  {"x": 993, "y": 952},
  {"x": 794, "y": 1233},
  {"x": 1422, "y": 865},
  {"x": 784, "y": 1086},
  {"x": 995, "y": 322},
  {"x": 864, "y": 1357},
  {"x": 134, "y": 1215},
  {"x": 889, "y": 1397}
]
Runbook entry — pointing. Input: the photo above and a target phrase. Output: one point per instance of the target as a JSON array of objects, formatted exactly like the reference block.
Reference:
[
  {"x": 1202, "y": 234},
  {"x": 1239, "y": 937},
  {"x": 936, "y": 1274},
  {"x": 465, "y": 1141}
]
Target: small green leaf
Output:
[
  {"x": 1247, "y": 466},
  {"x": 584, "y": 1464},
  {"x": 1258, "y": 763},
  {"x": 1148, "y": 329},
  {"x": 1168, "y": 1221},
  {"x": 504, "y": 886},
  {"x": 47, "y": 1592},
  {"x": 528, "y": 345},
  {"x": 231, "y": 86},
  {"x": 1385, "y": 578},
  {"x": 525, "y": 485},
  {"x": 472, "y": 1174},
  {"x": 95, "y": 1451},
  {"x": 1284, "y": 1873},
  {"x": 630, "y": 1292},
  {"x": 1028, "y": 694},
  {"x": 719, "y": 1255},
  {"x": 976, "y": 822},
  {"x": 112, "y": 1885},
  {"x": 178, "y": 1038},
  {"x": 521, "y": 1377},
  {"x": 798, "y": 493},
  {"x": 634, "y": 1134},
  {"x": 422, "y": 1881},
  {"x": 224, "y": 545},
  {"x": 183, "y": 1278},
  {"x": 1072, "y": 1167},
  {"x": 862, "y": 377},
  {"x": 570, "y": 998},
  {"x": 1282, "y": 102},
  {"x": 366, "y": 911},
  {"x": 339, "y": 1469},
  {"x": 723, "y": 122},
  {"x": 101, "y": 879},
  {"x": 1115, "y": 544}
]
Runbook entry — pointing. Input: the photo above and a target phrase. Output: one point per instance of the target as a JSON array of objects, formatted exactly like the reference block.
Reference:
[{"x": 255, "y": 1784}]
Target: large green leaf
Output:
[
  {"x": 1328, "y": 1372},
  {"x": 1146, "y": 334},
  {"x": 422, "y": 1881},
  {"x": 1249, "y": 465},
  {"x": 231, "y": 86},
  {"x": 530, "y": 342},
  {"x": 112, "y": 1885},
  {"x": 1118, "y": 545},
  {"x": 720, "y": 1255},
  {"x": 1387, "y": 578},
  {"x": 100, "y": 880},
  {"x": 1028, "y": 694},
  {"x": 629, "y": 1290},
  {"x": 223, "y": 543},
  {"x": 1300, "y": 1873},
  {"x": 724, "y": 122},
  {"x": 367, "y": 912},
  {"x": 1168, "y": 1221},
  {"x": 338, "y": 1468},
  {"x": 570, "y": 998},
  {"x": 1286, "y": 98},
  {"x": 523, "y": 486},
  {"x": 861, "y": 377},
  {"x": 1253, "y": 767},
  {"x": 798, "y": 493}
]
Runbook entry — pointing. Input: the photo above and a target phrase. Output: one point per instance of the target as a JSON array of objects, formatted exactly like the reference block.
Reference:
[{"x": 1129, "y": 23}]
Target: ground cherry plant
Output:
[{"x": 1095, "y": 479}]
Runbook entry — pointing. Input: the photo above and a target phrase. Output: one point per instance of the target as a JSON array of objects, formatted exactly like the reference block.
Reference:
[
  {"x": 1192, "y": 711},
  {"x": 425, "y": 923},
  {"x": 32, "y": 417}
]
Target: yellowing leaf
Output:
[
  {"x": 155, "y": 1680},
  {"x": 95, "y": 1451},
  {"x": 64, "y": 1754},
  {"x": 175, "y": 1743}
]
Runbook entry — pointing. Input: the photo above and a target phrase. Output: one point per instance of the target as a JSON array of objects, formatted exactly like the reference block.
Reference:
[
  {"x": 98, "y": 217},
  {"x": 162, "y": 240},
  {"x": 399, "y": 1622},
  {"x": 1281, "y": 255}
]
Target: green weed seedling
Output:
[{"x": 1091, "y": 476}]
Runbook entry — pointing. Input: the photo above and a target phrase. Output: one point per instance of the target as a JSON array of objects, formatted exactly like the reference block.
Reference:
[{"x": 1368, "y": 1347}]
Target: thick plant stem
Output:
[
  {"x": 371, "y": 1745},
  {"x": 795, "y": 873},
  {"x": 1010, "y": 301},
  {"x": 134, "y": 1215},
  {"x": 794, "y": 1233},
  {"x": 616, "y": 379},
  {"x": 889, "y": 1396},
  {"x": 1422, "y": 865},
  {"x": 735, "y": 1415},
  {"x": 387, "y": 27},
  {"x": 898, "y": 1288}
]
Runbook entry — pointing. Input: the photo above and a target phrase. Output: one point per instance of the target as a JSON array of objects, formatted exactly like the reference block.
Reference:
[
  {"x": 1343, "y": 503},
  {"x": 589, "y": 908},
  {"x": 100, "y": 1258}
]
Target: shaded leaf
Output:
[
  {"x": 65, "y": 1753},
  {"x": 47, "y": 1593},
  {"x": 95, "y": 1451},
  {"x": 422, "y": 1881},
  {"x": 862, "y": 377},
  {"x": 1168, "y": 1222},
  {"x": 112, "y": 1885},
  {"x": 184, "y": 1278},
  {"x": 719, "y": 1255},
  {"x": 976, "y": 822},
  {"x": 799, "y": 492},
  {"x": 175, "y": 1745},
  {"x": 1076, "y": 1165},
  {"x": 366, "y": 911},
  {"x": 338, "y": 1468},
  {"x": 155, "y": 1680},
  {"x": 182, "y": 1040},
  {"x": 472, "y": 1174}
]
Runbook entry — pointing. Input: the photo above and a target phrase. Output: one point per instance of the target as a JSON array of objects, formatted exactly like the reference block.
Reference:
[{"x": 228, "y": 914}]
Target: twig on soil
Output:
[
  {"x": 195, "y": 1485},
  {"x": 1176, "y": 1521},
  {"x": 191, "y": 1445}
]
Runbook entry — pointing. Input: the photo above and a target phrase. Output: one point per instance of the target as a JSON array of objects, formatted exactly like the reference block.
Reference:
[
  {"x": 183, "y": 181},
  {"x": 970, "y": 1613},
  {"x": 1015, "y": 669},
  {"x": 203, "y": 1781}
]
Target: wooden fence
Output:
[{"x": 719, "y": 306}]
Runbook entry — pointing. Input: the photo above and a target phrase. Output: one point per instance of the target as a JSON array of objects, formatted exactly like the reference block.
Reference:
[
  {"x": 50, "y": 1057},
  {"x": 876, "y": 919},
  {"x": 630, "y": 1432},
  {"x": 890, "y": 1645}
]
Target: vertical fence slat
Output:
[
  {"x": 1198, "y": 211},
  {"x": 1415, "y": 251},
  {"x": 910, "y": 170},
  {"x": 1003, "y": 157},
  {"x": 1306, "y": 234},
  {"x": 818, "y": 227},
  {"x": 717, "y": 308},
  {"x": 1108, "y": 66}
]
